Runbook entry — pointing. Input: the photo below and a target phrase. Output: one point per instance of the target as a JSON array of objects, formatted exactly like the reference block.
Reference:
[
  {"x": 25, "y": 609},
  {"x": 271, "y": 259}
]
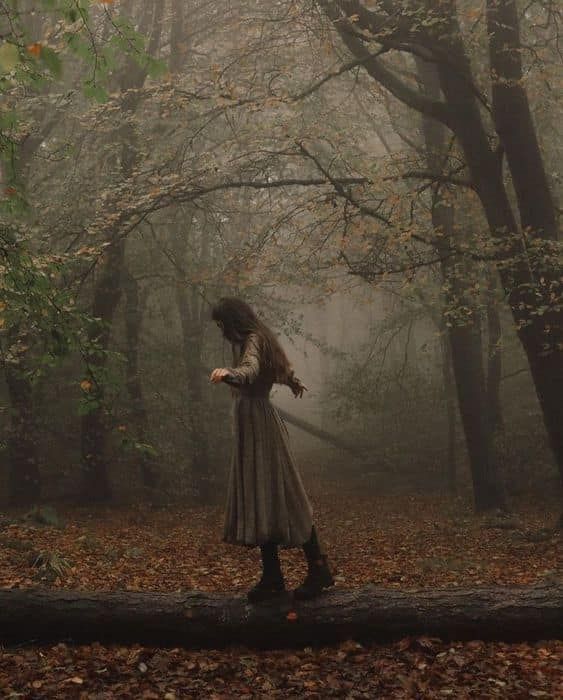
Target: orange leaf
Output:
[{"x": 34, "y": 49}]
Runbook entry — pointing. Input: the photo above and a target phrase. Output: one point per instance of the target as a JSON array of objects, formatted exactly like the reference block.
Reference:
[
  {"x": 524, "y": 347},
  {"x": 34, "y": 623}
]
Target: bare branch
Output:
[
  {"x": 335, "y": 74},
  {"x": 411, "y": 97},
  {"x": 433, "y": 177},
  {"x": 341, "y": 191}
]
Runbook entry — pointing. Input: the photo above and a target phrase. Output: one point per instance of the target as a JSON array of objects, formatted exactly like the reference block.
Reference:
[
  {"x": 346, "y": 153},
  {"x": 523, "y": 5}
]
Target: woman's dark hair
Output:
[{"x": 238, "y": 321}]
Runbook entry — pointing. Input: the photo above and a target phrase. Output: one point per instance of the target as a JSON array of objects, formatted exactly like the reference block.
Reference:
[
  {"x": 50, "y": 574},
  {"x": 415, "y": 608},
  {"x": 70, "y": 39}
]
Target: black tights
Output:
[
  {"x": 312, "y": 548},
  {"x": 270, "y": 555}
]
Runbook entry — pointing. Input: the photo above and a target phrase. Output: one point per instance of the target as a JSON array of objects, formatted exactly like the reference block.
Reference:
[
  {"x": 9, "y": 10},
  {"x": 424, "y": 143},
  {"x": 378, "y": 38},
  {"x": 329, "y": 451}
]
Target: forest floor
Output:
[{"x": 393, "y": 541}]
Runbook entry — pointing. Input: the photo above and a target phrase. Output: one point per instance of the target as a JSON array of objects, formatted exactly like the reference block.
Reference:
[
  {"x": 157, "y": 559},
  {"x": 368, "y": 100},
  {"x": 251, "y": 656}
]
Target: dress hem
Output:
[{"x": 258, "y": 543}]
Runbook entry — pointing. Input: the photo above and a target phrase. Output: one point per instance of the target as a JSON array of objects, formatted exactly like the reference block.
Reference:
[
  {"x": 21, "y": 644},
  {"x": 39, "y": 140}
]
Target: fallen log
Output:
[
  {"x": 194, "y": 619},
  {"x": 323, "y": 435}
]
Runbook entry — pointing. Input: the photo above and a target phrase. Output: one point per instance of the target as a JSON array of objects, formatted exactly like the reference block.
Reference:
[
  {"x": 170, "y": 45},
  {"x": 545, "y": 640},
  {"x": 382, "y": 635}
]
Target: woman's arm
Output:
[{"x": 248, "y": 368}]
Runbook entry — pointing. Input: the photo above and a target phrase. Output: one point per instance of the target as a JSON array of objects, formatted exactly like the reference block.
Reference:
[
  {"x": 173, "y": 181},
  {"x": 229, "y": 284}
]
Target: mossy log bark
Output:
[{"x": 194, "y": 619}]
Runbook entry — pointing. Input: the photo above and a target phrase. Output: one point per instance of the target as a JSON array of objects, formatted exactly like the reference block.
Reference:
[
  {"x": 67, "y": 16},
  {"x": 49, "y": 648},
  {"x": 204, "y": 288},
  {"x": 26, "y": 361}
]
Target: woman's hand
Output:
[
  {"x": 297, "y": 387},
  {"x": 218, "y": 375}
]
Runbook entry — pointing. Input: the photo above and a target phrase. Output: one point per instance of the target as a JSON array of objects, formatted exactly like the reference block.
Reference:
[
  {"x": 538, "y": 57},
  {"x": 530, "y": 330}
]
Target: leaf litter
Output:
[{"x": 391, "y": 541}]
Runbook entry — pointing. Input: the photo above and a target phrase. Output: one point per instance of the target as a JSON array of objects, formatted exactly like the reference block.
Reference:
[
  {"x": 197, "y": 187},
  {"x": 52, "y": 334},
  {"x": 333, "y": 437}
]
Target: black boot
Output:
[
  {"x": 319, "y": 576},
  {"x": 271, "y": 585}
]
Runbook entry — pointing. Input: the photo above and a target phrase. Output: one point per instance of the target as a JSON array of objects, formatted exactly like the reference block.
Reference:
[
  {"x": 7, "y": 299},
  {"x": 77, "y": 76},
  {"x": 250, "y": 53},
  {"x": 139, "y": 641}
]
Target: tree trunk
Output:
[
  {"x": 324, "y": 363},
  {"x": 466, "y": 346},
  {"x": 108, "y": 289},
  {"x": 541, "y": 334},
  {"x": 514, "y": 122},
  {"x": 194, "y": 619},
  {"x": 179, "y": 38},
  {"x": 107, "y": 294},
  {"x": 24, "y": 477},
  {"x": 467, "y": 359},
  {"x": 138, "y": 412},
  {"x": 96, "y": 485},
  {"x": 531, "y": 292},
  {"x": 449, "y": 394},
  {"x": 195, "y": 403},
  {"x": 24, "y": 474},
  {"x": 494, "y": 364},
  {"x": 464, "y": 334}
]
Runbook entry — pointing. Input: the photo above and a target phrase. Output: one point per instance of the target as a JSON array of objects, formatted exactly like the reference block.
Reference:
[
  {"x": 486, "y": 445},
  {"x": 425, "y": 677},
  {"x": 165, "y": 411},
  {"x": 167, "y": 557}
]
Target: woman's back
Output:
[{"x": 251, "y": 375}]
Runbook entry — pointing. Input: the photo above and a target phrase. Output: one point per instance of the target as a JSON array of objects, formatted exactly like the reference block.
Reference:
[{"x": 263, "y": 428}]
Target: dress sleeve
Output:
[{"x": 248, "y": 369}]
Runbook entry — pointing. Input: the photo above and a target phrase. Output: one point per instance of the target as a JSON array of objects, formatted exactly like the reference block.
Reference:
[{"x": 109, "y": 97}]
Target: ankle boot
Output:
[
  {"x": 319, "y": 575},
  {"x": 271, "y": 584},
  {"x": 318, "y": 578}
]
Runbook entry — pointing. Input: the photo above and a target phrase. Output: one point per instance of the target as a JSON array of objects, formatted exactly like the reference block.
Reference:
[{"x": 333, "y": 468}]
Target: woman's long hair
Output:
[{"x": 239, "y": 321}]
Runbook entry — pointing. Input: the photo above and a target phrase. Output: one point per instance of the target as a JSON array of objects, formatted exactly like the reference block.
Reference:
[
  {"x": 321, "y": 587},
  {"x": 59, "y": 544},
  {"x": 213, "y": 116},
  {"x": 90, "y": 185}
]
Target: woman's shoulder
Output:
[{"x": 253, "y": 341}]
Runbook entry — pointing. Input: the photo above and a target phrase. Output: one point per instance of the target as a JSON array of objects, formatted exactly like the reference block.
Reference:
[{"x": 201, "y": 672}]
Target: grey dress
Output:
[{"x": 266, "y": 500}]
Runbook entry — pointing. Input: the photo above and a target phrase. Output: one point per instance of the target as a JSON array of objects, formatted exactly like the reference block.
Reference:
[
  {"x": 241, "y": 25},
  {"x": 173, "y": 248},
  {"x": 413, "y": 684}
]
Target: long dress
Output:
[{"x": 266, "y": 500}]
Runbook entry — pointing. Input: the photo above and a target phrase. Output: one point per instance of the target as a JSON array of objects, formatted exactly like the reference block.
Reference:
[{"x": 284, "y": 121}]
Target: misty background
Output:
[{"x": 179, "y": 151}]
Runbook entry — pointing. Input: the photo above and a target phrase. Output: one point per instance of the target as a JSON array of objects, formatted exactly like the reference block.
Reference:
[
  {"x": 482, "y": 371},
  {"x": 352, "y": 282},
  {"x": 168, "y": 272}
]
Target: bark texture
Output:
[
  {"x": 194, "y": 619},
  {"x": 464, "y": 334}
]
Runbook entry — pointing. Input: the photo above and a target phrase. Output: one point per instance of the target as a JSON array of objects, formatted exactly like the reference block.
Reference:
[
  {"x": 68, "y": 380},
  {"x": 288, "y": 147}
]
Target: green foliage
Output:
[
  {"x": 34, "y": 62},
  {"x": 103, "y": 379},
  {"x": 52, "y": 61},
  {"x": 95, "y": 91},
  {"x": 51, "y": 565},
  {"x": 39, "y": 322}
]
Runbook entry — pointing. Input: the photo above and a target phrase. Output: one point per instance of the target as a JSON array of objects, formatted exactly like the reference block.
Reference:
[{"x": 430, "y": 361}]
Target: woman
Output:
[{"x": 266, "y": 503}]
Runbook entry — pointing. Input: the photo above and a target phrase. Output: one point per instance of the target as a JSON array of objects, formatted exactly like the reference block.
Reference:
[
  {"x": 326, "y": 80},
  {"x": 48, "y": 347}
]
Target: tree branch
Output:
[
  {"x": 341, "y": 191},
  {"x": 369, "y": 273},
  {"x": 383, "y": 75},
  {"x": 434, "y": 177},
  {"x": 343, "y": 69}
]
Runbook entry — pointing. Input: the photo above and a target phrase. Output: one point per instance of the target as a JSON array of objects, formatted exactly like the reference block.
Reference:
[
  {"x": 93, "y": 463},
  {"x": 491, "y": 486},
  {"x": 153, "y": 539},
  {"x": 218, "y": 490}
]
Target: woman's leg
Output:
[
  {"x": 271, "y": 583},
  {"x": 319, "y": 576},
  {"x": 312, "y": 548},
  {"x": 271, "y": 568}
]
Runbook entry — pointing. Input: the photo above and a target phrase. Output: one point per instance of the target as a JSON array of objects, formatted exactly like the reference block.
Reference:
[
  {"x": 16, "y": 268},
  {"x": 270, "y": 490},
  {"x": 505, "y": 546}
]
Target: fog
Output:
[{"x": 382, "y": 188}]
